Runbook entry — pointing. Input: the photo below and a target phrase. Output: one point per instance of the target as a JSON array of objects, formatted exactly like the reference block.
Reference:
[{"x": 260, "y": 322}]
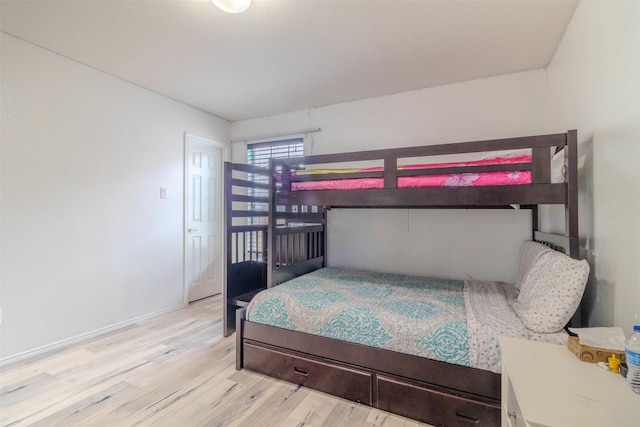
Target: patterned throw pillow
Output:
[
  {"x": 551, "y": 292},
  {"x": 529, "y": 253}
]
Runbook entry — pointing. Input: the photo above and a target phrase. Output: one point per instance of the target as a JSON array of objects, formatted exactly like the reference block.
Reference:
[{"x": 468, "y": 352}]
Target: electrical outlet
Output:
[{"x": 163, "y": 193}]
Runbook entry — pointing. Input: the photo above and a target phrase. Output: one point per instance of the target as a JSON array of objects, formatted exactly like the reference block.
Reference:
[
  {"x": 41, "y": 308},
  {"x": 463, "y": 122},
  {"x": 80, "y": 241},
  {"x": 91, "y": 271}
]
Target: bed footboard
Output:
[{"x": 447, "y": 394}]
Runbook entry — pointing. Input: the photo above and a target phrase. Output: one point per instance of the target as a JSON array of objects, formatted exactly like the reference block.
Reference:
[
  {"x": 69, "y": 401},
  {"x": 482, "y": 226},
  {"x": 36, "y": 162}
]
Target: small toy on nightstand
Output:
[{"x": 614, "y": 363}]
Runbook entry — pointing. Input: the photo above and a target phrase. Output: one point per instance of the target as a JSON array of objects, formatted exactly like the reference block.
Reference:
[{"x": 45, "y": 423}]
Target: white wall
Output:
[
  {"x": 86, "y": 241},
  {"x": 480, "y": 244},
  {"x": 594, "y": 85}
]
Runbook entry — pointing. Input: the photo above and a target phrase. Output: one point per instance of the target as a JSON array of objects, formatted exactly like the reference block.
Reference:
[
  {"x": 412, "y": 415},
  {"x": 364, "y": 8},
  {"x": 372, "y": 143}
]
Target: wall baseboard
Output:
[{"x": 59, "y": 345}]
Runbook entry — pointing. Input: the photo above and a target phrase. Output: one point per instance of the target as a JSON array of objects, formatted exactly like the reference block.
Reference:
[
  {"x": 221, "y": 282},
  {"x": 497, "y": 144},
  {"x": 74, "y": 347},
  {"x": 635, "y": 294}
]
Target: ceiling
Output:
[{"x": 288, "y": 55}]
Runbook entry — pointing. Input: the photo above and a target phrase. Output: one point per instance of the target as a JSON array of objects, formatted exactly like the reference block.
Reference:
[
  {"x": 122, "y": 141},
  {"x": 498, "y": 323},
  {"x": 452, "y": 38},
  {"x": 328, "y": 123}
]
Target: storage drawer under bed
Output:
[
  {"x": 337, "y": 380},
  {"x": 433, "y": 406}
]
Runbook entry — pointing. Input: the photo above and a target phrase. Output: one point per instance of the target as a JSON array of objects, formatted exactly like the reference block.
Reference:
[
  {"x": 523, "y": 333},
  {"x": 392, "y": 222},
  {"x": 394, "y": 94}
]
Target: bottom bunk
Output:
[{"x": 422, "y": 348}]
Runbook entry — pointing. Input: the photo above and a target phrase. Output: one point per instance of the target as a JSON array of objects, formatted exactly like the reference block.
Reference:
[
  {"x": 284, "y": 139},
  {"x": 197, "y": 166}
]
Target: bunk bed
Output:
[{"x": 276, "y": 234}]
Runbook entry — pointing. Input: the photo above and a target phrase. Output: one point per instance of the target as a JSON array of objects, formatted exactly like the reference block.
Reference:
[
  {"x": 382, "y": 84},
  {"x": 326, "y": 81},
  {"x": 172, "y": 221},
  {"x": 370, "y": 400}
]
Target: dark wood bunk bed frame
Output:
[{"x": 293, "y": 242}]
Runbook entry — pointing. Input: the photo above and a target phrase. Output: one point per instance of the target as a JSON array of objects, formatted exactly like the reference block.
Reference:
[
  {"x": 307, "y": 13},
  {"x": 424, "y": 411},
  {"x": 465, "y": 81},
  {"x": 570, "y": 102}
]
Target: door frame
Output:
[{"x": 226, "y": 156}]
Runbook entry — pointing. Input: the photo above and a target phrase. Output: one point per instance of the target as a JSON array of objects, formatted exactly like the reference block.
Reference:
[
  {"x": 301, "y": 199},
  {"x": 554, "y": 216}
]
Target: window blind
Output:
[{"x": 259, "y": 154}]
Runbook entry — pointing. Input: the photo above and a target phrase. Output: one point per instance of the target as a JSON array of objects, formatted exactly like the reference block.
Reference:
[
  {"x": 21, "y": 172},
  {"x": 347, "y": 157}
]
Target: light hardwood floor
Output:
[{"x": 173, "y": 370}]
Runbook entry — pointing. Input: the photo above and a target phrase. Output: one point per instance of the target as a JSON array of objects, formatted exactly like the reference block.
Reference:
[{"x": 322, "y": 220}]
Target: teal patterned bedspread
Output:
[{"x": 415, "y": 315}]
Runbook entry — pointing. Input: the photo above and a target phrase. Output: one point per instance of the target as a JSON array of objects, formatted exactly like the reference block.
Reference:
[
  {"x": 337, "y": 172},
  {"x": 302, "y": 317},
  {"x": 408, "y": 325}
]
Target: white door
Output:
[{"x": 204, "y": 221}]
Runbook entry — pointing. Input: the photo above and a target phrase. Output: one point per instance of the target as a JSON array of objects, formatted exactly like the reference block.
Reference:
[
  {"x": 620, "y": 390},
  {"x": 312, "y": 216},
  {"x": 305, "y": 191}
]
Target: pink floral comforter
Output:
[{"x": 445, "y": 180}]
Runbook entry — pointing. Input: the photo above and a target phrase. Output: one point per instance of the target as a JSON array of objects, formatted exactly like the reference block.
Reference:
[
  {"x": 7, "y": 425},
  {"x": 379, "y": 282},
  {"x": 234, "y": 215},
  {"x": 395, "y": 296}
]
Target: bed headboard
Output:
[
  {"x": 558, "y": 242},
  {"x": 568, "y": 246}
]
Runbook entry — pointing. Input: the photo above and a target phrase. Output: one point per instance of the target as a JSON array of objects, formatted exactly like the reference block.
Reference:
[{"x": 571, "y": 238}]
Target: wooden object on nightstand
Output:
[{"x": 546, "y": 385}]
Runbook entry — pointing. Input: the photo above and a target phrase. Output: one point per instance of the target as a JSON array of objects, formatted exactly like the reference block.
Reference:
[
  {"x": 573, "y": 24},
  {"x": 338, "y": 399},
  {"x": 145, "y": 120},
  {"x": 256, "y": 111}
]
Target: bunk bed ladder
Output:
[
  {"x": 245, "y": 239},
  {"x": 297, "y": 233}
]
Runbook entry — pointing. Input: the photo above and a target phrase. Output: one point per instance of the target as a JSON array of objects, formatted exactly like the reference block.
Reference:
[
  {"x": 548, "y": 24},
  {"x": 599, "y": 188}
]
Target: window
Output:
[{"x": 259, "y": 154}]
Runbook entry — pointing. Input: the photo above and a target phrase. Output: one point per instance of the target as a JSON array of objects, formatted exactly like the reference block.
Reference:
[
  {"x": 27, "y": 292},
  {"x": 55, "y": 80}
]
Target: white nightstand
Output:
[{"x": 546, "y": 385}]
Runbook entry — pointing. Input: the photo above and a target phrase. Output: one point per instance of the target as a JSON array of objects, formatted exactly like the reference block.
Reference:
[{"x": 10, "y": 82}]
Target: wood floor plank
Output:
[
  {"x": 346, "y": 414},
  {"x": 78, "y": 412},
  {"x": 17, "y": 392},
  {"x": 173, "y": 370},
  {"x": 12, "y": 373},
  {"x": 189, "y": 402},
  {"x": 314, "y": 409},
  {"x": 42, "y": 405},
  {"x": 264, "y": 397},
  {"x": 275, "y": 409}
]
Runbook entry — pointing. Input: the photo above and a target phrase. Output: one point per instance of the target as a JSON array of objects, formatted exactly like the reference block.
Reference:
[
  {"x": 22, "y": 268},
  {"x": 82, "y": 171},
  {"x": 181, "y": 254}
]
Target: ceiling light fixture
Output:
[{"x": 232, "y": 6}]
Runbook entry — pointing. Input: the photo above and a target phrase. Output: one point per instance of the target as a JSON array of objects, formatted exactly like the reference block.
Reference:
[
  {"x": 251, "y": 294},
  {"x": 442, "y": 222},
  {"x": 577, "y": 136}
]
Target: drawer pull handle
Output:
[
  {"x": 467, "y": 418},
  {"x": 300, "y": 371}
]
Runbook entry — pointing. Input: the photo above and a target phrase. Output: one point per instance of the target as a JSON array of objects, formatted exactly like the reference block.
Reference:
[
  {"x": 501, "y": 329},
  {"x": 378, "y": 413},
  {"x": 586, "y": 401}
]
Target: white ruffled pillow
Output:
[
  {"x": 558, "y": 168},
  {"x": 551, "y": 292},
  {"x": 530, "y": 251}
]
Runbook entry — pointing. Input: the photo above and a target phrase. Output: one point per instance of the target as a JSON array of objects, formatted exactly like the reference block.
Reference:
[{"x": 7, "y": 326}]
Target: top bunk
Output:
[
  {"x": 276, "y": 228},
  {"x": 494, "y": 174}
]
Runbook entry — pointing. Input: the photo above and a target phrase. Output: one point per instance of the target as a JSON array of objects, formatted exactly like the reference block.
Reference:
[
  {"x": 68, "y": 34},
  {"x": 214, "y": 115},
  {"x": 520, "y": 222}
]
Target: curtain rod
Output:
[{"x": 275, "y": 135}]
